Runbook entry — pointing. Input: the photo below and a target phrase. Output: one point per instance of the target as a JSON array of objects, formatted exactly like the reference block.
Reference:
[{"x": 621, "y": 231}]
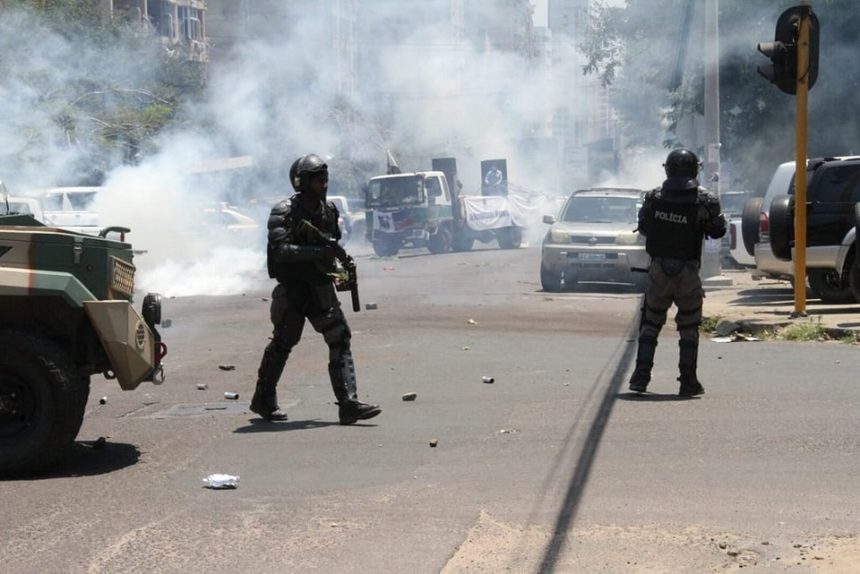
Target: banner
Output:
[
  {"x": 490, "y": 212},
  {"x": 392, "y": 221}
]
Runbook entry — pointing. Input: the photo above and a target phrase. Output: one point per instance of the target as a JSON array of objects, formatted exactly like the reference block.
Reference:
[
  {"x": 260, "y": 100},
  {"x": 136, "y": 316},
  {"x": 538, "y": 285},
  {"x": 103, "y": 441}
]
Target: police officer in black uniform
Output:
[
  {"x": 675, "y": 218},
  {"x": 305, "y": 290}
]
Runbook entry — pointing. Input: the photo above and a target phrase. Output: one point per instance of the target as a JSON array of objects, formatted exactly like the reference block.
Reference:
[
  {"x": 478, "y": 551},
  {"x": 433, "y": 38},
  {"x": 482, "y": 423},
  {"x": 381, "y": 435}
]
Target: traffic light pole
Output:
[{"x": 800, "y": 164}]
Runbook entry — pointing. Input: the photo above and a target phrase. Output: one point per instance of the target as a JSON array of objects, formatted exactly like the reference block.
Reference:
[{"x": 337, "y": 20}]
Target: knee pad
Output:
[{"x": 338, "y": 335}]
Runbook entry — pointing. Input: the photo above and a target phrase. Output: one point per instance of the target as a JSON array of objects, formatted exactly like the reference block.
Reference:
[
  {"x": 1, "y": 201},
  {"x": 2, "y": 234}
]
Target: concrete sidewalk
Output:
[{"x": 766, "y": 303}]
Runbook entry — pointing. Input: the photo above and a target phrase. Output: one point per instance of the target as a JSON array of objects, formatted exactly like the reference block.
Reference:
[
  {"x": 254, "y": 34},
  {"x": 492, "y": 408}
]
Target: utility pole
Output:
[{"x": 711, "y": 268}]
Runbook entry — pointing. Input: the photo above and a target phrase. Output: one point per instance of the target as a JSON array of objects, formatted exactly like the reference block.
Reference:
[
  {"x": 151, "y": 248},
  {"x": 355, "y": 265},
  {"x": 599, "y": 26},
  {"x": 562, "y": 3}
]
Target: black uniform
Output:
[
  {"x": 306, "y": 291},
  {"x": 675, "y": 218}
]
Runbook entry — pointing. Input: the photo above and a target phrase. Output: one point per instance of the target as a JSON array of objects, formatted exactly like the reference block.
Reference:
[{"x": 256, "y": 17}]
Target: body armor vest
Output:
[
  {"x": 283, "y": 224},
  {"x": 674, "y": 230}
]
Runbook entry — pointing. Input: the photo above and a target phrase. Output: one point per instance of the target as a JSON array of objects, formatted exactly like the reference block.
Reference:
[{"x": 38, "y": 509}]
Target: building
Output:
[
  {"x": 179, "y": 23},
  {"x": 584, "y": 123}
]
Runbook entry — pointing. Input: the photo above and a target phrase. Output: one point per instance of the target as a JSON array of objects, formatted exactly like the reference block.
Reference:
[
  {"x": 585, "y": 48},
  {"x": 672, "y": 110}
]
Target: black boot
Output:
[
  {"x": 265, "y": 400},
  {"x": 644, "y": 363},
  {"x": 342, "y": 374},
  {"x": 687, "y": 365}
]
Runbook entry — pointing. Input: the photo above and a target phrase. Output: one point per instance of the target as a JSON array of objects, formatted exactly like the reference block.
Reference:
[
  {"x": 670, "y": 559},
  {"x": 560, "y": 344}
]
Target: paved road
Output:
[{"x": 553, "y": 467}]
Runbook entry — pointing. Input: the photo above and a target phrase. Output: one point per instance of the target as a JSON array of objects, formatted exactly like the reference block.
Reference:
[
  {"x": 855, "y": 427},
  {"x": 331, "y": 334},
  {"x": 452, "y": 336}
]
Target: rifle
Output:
[{"x": 343, "y": 281}]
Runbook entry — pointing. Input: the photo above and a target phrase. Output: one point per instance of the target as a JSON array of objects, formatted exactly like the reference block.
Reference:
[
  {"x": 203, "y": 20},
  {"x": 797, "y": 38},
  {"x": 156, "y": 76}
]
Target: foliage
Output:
[
  {"x": 635, "y": 48},
  {"x": 812, "y": 330},
  {"x": 96, "y": 89}
]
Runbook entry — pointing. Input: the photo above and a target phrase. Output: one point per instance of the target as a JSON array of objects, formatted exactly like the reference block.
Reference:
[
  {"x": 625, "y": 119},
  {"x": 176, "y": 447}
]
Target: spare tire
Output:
[
  {"x": 852, "y": 264},
  {"x": 750, "y": 223},
  {"x": 782, "y": 227}
]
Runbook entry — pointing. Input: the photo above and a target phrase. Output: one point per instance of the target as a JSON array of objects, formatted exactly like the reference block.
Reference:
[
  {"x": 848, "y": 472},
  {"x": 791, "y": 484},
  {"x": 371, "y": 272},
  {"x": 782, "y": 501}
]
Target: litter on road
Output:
[
  {"x": 202, "y": 386},
  {"x": 231, "y": 396},
  {"x": 488, "y": 380},
  {"x": 410, "y": 396},
  {"x": 221, "y": 481},
  {"x": 227, "y": 367}
]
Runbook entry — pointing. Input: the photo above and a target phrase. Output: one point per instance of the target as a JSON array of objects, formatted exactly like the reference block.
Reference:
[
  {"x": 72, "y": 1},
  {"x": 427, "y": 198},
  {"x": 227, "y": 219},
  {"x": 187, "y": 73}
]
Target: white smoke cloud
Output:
[{"x": 417, "y": 90}]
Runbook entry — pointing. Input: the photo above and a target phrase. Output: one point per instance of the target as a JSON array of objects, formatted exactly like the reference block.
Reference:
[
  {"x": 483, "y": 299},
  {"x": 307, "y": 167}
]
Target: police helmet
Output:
[
  {"x": 294, "y": 174},
  {"x": 306, "y": 167},
  {"x": 681, "y": 163}
]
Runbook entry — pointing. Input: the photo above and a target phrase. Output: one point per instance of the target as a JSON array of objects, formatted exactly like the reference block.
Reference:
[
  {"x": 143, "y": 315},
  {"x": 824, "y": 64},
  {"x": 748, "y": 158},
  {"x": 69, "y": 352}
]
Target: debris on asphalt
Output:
[
  {"x": 264, "y": 299},
  {"x": 409, "y": 396},
  {"x": 722, "y": 545},
  {"x": 99, "y": 443},
  {"x": 471, "y": 322},
  {"x": 202, "y": 386},
  {"x": 221, "y": 481},
  {"x": 735, "y": 338},
  {"x": 488, "y": 380},
  {"x": 227, "y": 367},
  {"x": 371, "y": 306},
  {"x": 103, "y": 401},
  {"x": 166, "y": 323},
  {"x": 434, "y": 442},
  {"x": 388, "y": 268},
  {"x": 508, "y": 431},
  {"x": 231, "y": 396},
  {"x": 466, "y": 347},
  {"x": 725, "y": 328}
]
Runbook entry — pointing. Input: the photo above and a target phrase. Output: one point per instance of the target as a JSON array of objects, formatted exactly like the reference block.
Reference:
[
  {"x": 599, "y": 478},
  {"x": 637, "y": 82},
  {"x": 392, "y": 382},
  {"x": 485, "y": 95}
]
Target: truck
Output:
[
  {"x": 67, "y": 314},
  {"x": 427, "y": 209}
]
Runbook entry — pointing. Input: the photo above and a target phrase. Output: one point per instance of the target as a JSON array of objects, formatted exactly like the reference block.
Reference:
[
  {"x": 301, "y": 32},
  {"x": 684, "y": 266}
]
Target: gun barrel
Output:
[{"x": 353, "y": 290}]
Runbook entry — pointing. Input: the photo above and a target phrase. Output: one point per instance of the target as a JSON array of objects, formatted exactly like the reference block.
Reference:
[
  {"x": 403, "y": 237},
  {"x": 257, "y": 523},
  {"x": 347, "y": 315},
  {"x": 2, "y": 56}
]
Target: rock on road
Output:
[{"x": 553, "y": 467}]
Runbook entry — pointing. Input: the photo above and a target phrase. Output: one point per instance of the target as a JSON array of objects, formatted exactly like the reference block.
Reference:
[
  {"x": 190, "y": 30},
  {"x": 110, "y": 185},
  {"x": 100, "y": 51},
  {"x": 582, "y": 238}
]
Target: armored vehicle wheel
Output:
[
  {"x": 42, "y": 401},
  {"x": 385, "y": 247},
  {"x": 441, "y": 241},
  {"x": 511, "y": 237},
  {"x": 550, "y": 280},
  {"x": 831, "y": 285}
]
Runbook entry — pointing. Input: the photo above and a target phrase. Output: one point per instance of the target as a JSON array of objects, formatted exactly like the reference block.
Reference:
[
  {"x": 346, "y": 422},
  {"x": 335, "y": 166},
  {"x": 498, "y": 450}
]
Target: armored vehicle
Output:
[{"x": 65, "y": 314}]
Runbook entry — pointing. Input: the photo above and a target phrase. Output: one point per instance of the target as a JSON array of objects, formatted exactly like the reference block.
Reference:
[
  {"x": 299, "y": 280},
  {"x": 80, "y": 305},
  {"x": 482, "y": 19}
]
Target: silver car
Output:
[{"x": 593, "y": 239}]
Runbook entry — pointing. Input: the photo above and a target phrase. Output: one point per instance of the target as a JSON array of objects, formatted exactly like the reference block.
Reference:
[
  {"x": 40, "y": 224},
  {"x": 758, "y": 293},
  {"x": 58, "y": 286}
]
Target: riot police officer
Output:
[
  {"x": 305, "y": 290},
  {"x": 675, "y": 218}
]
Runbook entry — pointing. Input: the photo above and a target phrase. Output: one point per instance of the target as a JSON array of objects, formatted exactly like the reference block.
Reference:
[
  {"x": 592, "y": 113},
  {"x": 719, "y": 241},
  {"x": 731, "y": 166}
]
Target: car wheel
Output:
[
  {"x": 385, "y": 247},
  {"x": 750, "y": 224},
  {"x": 550, "y": 280},
  {"x": 463, "y": 243},
  {"x": 440, "y": 242},
  {"x": 831, "y": 286},
  {"x": 42, "y": 401},
  {"x": 510, "y": 237}
]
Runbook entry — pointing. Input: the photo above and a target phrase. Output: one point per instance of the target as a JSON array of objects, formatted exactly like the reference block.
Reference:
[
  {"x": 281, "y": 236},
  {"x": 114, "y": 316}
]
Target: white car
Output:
[
  {"x": 352, "y": 225},
  {"x": 594, "y": 239},
  {"x": 70, "y": 208}
]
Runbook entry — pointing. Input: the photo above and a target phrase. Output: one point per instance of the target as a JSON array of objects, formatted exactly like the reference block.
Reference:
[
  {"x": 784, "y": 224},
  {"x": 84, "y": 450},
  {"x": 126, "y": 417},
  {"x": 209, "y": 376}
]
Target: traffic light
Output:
[{"x": 782, "y": 52}]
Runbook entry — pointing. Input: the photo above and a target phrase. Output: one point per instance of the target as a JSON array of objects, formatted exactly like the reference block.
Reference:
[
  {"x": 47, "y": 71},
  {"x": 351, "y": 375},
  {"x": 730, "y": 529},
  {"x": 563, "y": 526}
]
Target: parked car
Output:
[
  {"x": 732, "y": 253},
  {"x": 831, "y": 227},
  {"x": 71, "y": 208},
  {"x": 593, "y": 239},
  {"x": 353, "y": 224},
  {"x": 824, "y": 281}
]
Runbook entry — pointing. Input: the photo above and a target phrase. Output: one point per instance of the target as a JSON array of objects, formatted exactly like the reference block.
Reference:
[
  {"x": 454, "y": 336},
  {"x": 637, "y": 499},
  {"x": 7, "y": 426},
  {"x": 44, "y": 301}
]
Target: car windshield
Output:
[
  {"x": 601, "y": 209},
  {"x": 392, "y": 191}
]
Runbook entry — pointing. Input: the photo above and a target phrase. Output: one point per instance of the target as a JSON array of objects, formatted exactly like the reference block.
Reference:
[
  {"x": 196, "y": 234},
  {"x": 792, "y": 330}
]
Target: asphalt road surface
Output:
[{"x": 554, "y": 467}]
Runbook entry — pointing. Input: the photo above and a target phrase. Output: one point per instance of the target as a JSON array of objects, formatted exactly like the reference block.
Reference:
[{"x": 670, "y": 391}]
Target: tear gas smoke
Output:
[{"x": 402, "y": 79}]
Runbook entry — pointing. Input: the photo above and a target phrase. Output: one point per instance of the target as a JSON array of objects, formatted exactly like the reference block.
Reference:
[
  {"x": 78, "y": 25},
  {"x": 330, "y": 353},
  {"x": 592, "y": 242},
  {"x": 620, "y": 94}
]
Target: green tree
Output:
[
  {"x": 89, "y": 88},
  {"x": 635, "y": 49}
]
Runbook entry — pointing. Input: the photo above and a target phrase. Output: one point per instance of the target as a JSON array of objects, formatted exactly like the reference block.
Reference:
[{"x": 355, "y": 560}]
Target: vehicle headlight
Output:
[
  {"x": 630, "y": 239},
  {"x": 556, "y": 236}
]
